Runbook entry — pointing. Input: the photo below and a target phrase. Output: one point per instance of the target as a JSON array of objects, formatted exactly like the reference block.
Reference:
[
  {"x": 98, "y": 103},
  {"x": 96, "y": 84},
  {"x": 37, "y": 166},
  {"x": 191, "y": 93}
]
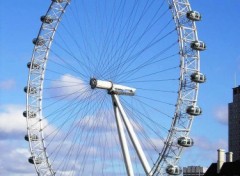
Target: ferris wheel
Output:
[{"x": 112, "y": 87}]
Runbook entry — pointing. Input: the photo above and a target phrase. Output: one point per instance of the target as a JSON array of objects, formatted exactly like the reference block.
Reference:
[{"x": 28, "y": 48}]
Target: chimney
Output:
[
  {"x": 229, "y": 156},
  {"x": 221, "y": 159}
]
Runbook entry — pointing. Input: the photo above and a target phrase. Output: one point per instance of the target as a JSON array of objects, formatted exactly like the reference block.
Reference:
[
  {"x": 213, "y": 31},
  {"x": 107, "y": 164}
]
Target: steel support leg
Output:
[
  {"x": 133, "y": 136},
  {"x": 123, "y": 141}
]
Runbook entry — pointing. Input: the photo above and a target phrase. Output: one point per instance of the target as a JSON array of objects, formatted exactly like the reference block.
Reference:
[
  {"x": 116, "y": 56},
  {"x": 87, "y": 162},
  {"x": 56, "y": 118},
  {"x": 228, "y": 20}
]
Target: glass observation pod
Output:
[
  {"x": 38, "y": 41},
  {"x": 58, "y": 1},
  {"x": 198, "y": 77},
  {"x": 30, "y": 114},
  {"x": 194, "y": 15},
  {"x": 36, "y": 160},
  {"x": 185, "y": 141},
  {"x": 194, "y": 110},
  {"x": 198, "y": 45},
  {"x": 34, "y": 66},
  {"x": 46, "y": 19},
  {"x": 173, "y": 170},
  {"x": 30, "y": 90},
  {"x": 32, "y": 137}
]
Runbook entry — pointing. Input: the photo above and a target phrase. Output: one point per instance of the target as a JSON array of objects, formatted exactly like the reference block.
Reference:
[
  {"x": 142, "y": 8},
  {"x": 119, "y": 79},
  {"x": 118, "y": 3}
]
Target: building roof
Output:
[
  {"x": 212, "y": 170},
  {"x": 228, "y": 169},
  {"x": 236, "y": 90}
]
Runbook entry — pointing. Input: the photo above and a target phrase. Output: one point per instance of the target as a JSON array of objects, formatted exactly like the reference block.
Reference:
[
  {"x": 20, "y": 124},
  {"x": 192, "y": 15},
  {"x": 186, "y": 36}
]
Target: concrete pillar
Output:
[
  {"x": 221, "y": 159},
  {"x": 229, "y": 156}
]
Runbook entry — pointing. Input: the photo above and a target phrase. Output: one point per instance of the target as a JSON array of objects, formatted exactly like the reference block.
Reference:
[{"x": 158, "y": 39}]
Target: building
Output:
[
  {"x": 194, "y": 171},
  {"x": 234, "y": 124},
  {"x": 222, "y": 168},
  {"x": 228, "y": 169}
]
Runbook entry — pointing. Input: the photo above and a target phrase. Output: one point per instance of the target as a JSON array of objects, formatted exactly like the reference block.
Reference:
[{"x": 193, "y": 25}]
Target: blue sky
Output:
[{"x": 219, "y": 28}]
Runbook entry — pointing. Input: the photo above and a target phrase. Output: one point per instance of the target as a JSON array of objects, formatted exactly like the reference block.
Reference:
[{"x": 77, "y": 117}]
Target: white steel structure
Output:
[{"x": 115, "y": 91}]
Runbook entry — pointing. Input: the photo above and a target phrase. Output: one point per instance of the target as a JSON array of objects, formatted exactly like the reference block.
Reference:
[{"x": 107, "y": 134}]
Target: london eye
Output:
[{"x": 113, "y": 87}]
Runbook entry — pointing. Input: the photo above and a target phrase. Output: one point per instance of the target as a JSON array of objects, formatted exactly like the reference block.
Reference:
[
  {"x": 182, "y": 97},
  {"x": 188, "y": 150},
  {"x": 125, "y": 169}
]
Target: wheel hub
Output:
[{"x": 111, "y": 87}]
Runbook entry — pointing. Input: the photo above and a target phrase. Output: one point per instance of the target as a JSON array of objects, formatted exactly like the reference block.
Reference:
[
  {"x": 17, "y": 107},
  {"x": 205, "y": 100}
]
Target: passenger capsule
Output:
[
  {"x": 194, "y": 110},
  {"x": 34, "y": 66},
  {"x": 25, "y": 89},
  {"x": 30, "y": 114},
  {"x": 173, "y": 170},
  {"x": 39, "y": 41},
  {"x": 46, "y": 19},
  {"x": 36, "y": 160},
  {"x": 198, "y": 45},
  {"x": 194, "y": 15},
  {"x": 33, "y": 137},
  {"x": 185, "y": 141},
  {"x": 24, "y": 113},
  {"x": 198, "y": 77},
  {"x": 58, "y": 1},
  {"x": 30, "y": 90}
]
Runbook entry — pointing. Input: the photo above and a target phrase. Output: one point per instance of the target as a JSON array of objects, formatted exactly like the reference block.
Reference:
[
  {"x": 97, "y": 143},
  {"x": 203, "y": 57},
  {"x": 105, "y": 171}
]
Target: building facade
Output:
[
  {"x": 234, "y": 124},
  {"x": 194, "y": 171}
]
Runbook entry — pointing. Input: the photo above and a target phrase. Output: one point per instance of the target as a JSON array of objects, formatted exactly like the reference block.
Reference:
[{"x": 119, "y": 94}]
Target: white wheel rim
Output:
[{"x": 187, "y": 91}]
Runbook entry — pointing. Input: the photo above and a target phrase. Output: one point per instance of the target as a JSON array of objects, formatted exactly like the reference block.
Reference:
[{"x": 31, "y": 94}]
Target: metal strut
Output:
[
  {"x": 121, "y": 119},
  {"x": 133, "y": 136},
  {"x": 123, "y": 141}
]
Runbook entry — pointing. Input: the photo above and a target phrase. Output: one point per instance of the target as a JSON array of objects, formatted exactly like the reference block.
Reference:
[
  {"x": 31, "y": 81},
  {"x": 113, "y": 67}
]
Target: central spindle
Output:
[{"x": 111, "y": 87}]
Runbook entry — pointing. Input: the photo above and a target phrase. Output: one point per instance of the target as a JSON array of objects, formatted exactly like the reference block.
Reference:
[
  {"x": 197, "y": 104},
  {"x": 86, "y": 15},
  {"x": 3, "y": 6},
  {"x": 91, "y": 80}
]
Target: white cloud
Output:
[
  {"x": 16, "y": 151},
  {"x": 221, "y": 114},
  {"x": 13, "y": 147},
  {"x": 7, "y": 84},
  {"x": 158, "y": 143},
  {"x": 105, "y": 121},
  {"x": 98, "y": 139},
  {"x": 14, "y": 158},
  {"x": 97, "y": 122},
  {"x": 72, "y": 86},
  {"x": 205, "y": 144},
  {"x": 12, "y": 121}
]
